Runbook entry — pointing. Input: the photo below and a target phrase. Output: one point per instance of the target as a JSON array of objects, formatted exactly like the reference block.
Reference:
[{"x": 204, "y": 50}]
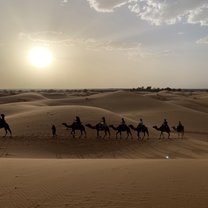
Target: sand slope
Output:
[
  {"x": 31, "y": 122},
  {"x": 103, "y": 183}
]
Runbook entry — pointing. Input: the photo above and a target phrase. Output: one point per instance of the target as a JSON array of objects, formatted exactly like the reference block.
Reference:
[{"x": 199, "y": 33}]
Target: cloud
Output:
[
  {"x": 133, "y": 50},
  {"x": 106, "y": 5},
  {"x": 159, "y": 12},
  {"x": 199, "y": 15},
  {"x": 48, "y": 37},
  {"x": 203, "y": 40}
]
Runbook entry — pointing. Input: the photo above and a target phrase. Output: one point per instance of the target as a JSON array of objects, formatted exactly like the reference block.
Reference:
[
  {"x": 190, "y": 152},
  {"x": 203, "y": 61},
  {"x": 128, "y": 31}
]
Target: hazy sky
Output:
[{"x": 105, "y": 43}]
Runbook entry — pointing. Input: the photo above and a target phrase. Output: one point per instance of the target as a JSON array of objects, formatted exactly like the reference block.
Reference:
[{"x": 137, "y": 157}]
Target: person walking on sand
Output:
[{"x": 53, "y": 129}]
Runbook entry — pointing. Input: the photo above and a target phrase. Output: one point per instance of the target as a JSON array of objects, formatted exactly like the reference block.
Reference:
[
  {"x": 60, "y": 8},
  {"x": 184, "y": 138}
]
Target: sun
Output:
[{"x": 40, "y": 57}]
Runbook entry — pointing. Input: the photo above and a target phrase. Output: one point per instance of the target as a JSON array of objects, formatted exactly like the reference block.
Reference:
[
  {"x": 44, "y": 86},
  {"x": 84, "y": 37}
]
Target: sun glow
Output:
[{"x": 40, "y": 57}]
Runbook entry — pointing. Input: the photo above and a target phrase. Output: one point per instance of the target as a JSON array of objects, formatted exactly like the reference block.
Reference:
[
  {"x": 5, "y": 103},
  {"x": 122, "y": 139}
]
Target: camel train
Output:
[
  {"x": 103, "y": 127},
  {"x": 122, "y": 127}
]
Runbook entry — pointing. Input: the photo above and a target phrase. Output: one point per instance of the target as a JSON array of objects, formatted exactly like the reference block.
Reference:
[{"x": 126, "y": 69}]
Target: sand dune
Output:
[
  {"x": 38, "y": 170},
  {"x": 22, "y": 97},
  {"x": 31, "y": 124}
]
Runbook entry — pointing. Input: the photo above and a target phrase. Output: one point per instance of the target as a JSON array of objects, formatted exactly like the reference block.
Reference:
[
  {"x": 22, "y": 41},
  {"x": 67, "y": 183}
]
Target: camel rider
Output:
[
  {"x": 180, "y": 124},
  {"x": 141, "y": 122},
  {"x": 3, "y": 117},
  {"x": 103, "y": 122},
  {"x": 165, "y": 123},
  {"x": 123, "y": 121},
  {"x": 77, "y": 120}
]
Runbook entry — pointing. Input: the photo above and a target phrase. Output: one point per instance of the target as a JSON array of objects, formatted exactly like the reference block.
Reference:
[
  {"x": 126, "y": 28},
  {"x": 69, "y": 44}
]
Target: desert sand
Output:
[{"x": 38, "y": 170}]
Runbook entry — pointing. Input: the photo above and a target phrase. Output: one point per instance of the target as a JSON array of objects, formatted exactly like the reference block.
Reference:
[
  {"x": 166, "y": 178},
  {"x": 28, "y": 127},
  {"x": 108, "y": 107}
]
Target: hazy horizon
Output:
[{"x": 105, "y": 44}]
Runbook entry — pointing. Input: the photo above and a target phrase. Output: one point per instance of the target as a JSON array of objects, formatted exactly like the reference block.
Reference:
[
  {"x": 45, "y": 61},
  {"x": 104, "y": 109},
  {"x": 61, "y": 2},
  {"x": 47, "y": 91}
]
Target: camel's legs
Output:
[
  {"x": 98, "y": 134},
  {"x": 80, "y": 134},
  {"x": 120, "y": 134},
  {"x": 5, "y": 132},
  {"x": 127, "y": 135},
  {"x": 104, "y": 135},
  {"x": 147, "y": 135},
  {"x": 131, "y": 134},
  {"x": 73, "y": 133},
  {"x": 10, "y": 131},
  {"x": 108, "y": 134},
  {"x": 138, "y": 135},
  {"x": 143, "y": 135},
  {"x": 116, "y": 135},
  {"x": 85, "y": 133},
  {"x": 168, "y": 135}
]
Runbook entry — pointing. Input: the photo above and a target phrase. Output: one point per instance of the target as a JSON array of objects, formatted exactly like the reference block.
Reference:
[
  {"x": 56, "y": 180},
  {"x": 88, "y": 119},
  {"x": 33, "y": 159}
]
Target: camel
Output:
[
  {"x": 180, "y": 130},
  {"x": 140, "y": 129},
  {"x": 75, "y": 126},
  {"x": 100, "y": 127},
  {"x": 163, "y": 129},
  {"x": 5, "y": 125},
  {"x": 120, "y": 128}
]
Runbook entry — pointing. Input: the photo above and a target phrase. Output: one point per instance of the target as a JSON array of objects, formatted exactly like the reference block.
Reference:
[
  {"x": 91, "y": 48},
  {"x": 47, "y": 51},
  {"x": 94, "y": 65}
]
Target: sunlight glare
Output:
[{"x": 40, "y": 57}]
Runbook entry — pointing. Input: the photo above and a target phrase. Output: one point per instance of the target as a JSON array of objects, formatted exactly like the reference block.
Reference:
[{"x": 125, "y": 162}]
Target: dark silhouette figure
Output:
[
  {"x": 103, "y": 122},
  {"x": 140, "y": 129},
  {"x": 102, "y": 126},
  {"x": 140, "y": 122},
  {"x": 53, "y": 130},
  {"x": 121, "y": 128},
  {"x": 163, "y": 129},
  {"x": 76, "y": 126},
  {"x": 179, "y": 129},
  {"x": 5, "y": 125},
  {"x": 123, "y": 122},
  {"x": 77, "y": 120},
  {"x": 165, "y": 124}
]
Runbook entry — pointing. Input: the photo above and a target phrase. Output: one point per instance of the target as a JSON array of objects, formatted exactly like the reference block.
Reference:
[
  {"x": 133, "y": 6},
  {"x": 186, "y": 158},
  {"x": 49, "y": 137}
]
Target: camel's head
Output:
[
  {"x": 65, "y": 124},
  {"x": 174, "y": 128},
  {"x": 88, "y": 125}
]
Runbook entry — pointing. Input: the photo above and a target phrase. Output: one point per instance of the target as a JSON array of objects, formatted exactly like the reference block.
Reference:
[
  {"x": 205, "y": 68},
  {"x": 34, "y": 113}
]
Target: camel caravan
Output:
[
  {"x": 103, "y": 127},
  {"x": 123, "y": 127}
]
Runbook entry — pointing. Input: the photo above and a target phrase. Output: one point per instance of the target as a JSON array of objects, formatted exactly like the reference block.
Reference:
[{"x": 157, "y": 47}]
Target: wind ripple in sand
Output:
[{"x": 104, "y": 183}]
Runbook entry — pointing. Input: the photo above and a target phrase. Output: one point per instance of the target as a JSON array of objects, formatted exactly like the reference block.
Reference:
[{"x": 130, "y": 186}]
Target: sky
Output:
[{"x": 105, "y": 43}]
